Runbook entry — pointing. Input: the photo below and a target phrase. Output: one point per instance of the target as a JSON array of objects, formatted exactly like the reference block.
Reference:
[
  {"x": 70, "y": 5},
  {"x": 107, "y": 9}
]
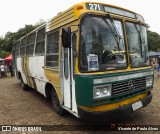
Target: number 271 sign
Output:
[{"x": 94, "y": 7}]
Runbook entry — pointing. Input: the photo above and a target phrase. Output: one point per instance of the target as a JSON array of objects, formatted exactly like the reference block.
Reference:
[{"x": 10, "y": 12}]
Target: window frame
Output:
[
  {"x": 23, "y": 46},
  {"x": 30, "y": 44},
  {"x": 16, "y": 49},
  {"x": 125, "y": 44},
  {"x": 53, "y": 53},
  {"x": 40, "y": 41}
]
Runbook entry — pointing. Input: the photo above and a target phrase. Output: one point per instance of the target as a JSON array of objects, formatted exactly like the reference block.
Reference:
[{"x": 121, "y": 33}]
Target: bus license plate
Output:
[{"x": 136, "y": 105}]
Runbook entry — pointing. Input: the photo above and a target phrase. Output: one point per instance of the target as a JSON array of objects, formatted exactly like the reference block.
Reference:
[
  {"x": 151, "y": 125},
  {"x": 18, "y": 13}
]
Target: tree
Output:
[
  {"x": 4, "y": 54},
  {"x": 10, "y": 37},
  {"x": 153, "y": 40}
]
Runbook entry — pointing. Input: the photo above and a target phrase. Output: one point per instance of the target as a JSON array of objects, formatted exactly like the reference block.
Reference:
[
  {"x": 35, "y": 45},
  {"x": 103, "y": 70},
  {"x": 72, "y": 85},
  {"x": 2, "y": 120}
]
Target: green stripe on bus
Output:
[{"x": 84, "y": 89}]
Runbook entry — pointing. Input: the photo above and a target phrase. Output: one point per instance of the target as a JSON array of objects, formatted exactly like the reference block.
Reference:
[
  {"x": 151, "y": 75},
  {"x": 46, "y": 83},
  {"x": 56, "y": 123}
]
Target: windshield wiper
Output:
[{"x": 116, "y": 32}]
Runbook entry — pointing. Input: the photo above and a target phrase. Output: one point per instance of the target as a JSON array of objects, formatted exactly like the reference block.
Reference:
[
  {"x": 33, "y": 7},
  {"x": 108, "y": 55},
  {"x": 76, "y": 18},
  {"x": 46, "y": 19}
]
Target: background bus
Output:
[{"x": 90, "y": 59}]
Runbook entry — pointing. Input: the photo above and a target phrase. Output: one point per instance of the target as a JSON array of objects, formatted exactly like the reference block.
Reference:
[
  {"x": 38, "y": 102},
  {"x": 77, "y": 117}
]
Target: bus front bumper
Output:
[{"x": 112, "y": 114}]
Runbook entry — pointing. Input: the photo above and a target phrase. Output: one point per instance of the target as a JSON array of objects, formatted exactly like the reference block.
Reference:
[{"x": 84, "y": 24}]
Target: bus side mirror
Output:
[{"x": 66, "y": 37}]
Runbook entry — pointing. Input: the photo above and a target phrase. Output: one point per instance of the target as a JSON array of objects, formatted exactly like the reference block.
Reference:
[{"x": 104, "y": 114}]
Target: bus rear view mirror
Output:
[{"x": 66, "y": 37}]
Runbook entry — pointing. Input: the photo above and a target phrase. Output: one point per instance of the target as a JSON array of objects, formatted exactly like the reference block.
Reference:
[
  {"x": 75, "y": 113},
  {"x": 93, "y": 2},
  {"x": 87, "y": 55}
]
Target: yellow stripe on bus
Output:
[
  {"x": 114, "y": 105},
  {"x": 54, "y": 79}
]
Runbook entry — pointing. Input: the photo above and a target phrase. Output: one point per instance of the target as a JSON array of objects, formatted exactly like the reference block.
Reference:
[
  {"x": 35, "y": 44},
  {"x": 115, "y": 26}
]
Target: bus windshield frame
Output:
[
  {"x": 99, "y": 31},
  {"x": 103, "y": 52},
  {"x": 137, "y": 43}
]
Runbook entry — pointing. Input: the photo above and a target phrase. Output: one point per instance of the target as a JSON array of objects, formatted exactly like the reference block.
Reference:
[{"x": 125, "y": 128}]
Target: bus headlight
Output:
[
  {"x": 101, "y": 91},
  {"x": 149, "y": 81},
  {"x": 97, "y": 92}
]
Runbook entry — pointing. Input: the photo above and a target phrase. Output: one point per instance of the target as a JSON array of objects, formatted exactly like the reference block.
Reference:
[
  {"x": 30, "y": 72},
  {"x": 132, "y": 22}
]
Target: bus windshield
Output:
[
  {"x": 99, "y": 48},
  {"x": 137, "y": 41}
]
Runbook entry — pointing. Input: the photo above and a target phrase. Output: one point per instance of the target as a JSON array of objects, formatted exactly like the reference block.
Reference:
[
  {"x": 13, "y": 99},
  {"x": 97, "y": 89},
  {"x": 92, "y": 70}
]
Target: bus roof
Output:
[{"x": 77, "y": 10}]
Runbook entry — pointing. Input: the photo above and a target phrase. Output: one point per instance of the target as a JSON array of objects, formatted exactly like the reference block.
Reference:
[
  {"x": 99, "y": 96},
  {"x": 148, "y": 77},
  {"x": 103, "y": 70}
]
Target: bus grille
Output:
[{"x": 128, "y": 86}]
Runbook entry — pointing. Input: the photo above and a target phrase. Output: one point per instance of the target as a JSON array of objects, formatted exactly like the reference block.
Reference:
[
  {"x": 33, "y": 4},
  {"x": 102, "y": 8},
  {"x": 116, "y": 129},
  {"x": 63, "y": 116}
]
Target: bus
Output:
[{"x": 91, "y": 60}]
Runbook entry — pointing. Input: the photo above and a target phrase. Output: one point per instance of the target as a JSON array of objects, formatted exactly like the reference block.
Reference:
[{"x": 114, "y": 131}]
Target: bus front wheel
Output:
[{"x": 55, "y": 102}]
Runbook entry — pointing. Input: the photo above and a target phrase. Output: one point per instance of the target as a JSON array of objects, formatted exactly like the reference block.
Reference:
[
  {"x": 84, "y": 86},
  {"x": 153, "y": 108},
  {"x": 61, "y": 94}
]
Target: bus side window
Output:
[
  {"x": 52, "y": 53},
  {"x": 30, "y": 44},
  {"x": 13, "y": 53},
  {"x": 40, "y": 42},
  {"x": 23, "y": 47},
  {"x": 22, "y": 51},
  {"x": 16, "y": 52}
]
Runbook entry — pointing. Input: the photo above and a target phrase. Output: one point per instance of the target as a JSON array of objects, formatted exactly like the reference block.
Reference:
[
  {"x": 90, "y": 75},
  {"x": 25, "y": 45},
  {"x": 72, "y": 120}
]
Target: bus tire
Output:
[
  {"x": 55, "y": 102},
  {"x": 23, "y": 85}
]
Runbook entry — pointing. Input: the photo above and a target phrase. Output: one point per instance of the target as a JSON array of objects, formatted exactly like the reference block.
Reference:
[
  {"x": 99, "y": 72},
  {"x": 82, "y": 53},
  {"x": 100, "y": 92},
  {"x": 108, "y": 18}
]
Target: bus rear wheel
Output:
[
  {"x": 23, "y": 85},
  {"x": 55, "y": 102}
]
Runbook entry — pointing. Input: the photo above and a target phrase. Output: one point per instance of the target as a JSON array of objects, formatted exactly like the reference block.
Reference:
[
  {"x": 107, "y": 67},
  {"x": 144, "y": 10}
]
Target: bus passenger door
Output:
[
  {"x": 66, "y": 77},
  {"x": 67, "y": 82}
]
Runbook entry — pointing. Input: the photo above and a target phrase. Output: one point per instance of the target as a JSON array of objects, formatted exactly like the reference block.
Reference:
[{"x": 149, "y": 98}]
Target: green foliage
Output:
[
  {"x": 153, "y": 41},
  {"x": 7, "y": 41},
  {"x": 4, "y": 54}
]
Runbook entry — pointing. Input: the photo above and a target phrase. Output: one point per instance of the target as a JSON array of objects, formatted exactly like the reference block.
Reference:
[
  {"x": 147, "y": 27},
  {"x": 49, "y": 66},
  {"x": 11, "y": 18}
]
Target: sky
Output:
[{"x": 15, "y": 14}]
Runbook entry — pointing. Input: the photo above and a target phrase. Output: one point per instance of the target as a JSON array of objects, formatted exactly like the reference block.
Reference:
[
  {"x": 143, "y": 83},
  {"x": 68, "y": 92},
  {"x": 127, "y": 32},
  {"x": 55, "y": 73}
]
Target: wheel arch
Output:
[{"x": 48, "y": 89}]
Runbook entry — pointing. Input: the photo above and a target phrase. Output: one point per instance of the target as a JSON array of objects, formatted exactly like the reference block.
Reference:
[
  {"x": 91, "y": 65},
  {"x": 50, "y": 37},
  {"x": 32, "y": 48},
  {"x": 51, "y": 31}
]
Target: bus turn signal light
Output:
[{"x": 79, "y": 7}]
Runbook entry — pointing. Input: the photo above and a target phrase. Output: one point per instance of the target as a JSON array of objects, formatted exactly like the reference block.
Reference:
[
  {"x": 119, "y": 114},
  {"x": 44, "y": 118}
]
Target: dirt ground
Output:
[{"x": 18, "y": 107}]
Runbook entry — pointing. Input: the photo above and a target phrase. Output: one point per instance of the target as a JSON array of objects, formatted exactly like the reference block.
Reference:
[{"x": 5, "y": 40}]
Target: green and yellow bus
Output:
[{"x": 91, "y": 60}]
